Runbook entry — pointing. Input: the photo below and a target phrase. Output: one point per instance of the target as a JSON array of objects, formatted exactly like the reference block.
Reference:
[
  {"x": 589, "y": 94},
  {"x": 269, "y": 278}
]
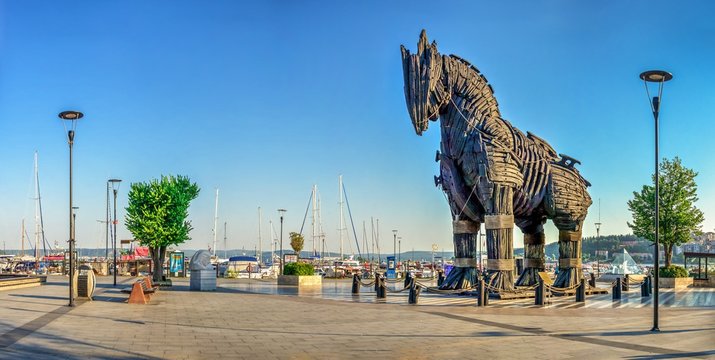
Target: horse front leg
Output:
[
  {"x": 464, "y": 273},
  {"x": 499, "y": 223}
]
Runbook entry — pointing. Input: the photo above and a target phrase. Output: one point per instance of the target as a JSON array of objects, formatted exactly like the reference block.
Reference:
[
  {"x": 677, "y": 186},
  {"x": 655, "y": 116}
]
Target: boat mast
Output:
[
  {"x": 215, "y": 222},
  {"x": 315, "y": 215},
  {"x": 377, "y": 238},
  {"x": 260, "y": 240},
  {"x": 37, "y": 213},
  {"x": 321, "y": 233},
  {"x": 342, "y": 219},
  {"x": 225, "y": 243},
  {"x": 22, "y": 253}
]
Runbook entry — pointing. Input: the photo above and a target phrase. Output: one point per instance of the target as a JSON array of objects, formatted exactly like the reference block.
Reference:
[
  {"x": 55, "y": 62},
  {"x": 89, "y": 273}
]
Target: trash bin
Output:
[
  {"x": 85, "y": 282},
  {"x": 203, "y": 274}
]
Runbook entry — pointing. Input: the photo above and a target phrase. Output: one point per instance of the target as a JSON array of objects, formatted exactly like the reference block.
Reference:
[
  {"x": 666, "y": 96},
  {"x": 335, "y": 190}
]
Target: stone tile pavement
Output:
[{"x": 233, "y": 324}]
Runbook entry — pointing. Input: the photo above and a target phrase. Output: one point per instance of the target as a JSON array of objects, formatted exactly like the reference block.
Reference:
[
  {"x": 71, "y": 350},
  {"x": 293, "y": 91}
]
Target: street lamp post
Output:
[
  {"x": 74, "y": 228},
  {"x": 106, "y": 228},
  {"x": 394, "y": 243},
  {"x": 114, "y": 182},
  {"x": 72, "y": 117},
  {"x": 399, "y": 249},
  {"x": 659, "y": 77},
  {"x": 281, "y": 212}
]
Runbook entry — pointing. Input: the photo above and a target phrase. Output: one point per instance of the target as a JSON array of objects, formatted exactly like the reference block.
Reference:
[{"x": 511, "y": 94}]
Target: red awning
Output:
[{"x": 141, "y": 251}]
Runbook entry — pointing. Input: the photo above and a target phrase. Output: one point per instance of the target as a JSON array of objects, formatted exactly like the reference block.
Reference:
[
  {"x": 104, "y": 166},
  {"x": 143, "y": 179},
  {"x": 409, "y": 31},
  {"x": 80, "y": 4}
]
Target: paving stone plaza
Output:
[{"x": 257, "y": 319}]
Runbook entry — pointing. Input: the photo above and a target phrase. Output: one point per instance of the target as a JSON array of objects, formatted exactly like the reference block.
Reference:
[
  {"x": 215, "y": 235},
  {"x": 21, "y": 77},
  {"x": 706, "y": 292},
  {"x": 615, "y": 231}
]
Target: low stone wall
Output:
[
  {"x": 300, "y": 280},
  {"x": 675, "y": 283}
]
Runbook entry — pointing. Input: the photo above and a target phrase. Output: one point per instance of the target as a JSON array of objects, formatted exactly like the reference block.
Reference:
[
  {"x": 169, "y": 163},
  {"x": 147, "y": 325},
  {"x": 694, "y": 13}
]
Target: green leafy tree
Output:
[
  {"x": 679, "y": 218},
  {"x": 296, "y": 242},
  {"x": 157, "y": 212}
]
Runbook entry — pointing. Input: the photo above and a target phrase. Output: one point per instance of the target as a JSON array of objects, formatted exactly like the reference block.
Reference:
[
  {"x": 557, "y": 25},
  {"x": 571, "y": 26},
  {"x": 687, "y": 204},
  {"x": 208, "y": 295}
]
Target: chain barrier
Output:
[
  {"x": 437, "y": 290},
  {"x": 636, "y": 283},
  {"x": 401, "y": 290},
  {"x": 517, "y": 290},
  {"x": 562, "y": 290},
  {"x": 371, "y": 283}
]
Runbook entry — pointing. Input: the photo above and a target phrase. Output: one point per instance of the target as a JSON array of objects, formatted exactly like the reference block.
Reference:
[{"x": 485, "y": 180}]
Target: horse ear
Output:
[
  {"x": 405, "y": 52},
  {"x": 423, "y": 43}
]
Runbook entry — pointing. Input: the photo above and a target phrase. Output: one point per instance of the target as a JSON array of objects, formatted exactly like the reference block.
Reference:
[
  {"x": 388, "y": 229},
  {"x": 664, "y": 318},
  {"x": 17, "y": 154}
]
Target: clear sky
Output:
[{"x": 263, "y": 99}]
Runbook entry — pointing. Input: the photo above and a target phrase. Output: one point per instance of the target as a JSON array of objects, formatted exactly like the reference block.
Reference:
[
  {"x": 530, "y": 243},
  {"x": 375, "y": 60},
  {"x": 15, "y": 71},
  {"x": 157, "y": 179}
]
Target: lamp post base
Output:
[{"x": 655, "y": 329}]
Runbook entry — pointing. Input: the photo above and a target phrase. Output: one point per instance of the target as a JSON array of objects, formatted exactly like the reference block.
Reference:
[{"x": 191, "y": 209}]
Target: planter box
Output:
[
  {"x": 675, "y": 283},
  {"x": 300, "y": 280}
]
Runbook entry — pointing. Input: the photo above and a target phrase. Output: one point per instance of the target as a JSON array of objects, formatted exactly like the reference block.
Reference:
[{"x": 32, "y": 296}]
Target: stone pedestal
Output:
[
  {"x": 300, "y": 280},
  {"x": 202, "y": 280}
]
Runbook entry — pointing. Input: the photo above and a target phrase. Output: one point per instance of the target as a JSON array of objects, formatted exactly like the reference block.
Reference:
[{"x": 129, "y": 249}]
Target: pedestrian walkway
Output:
[
  {"x": 231, "y": 323},
  {"x": 340, "y": 289}
]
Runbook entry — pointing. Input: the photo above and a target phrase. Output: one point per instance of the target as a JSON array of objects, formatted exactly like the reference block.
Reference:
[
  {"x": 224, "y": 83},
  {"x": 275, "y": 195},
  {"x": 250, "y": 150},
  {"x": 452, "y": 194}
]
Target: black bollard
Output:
[
  {"x": 540, "y": 293},
  {"x": 616, "y": 291},
  {"x": 592, "y": 281},
  {"x": 377, "y": 282},
  {"x": 440, "y": 278},
  {"x": 480, "y": 292},
  {"x": 356, "y": 284},
  {"x": 581, "y": 291},
  {"x": 644, "y": 287},
  {"x": 381, "y": 292},
  {"x": 408, "y": 278},
  {"x": 485, "y": 297},
  {"x": 626, "y": 283},
  {"x": 414, "y": 294}
]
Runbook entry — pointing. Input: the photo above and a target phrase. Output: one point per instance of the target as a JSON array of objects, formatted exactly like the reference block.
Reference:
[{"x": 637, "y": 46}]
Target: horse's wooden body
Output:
[{"x": 493, "y": 173}]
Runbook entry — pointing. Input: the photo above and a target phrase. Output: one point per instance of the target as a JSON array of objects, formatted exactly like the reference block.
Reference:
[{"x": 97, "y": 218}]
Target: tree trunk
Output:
[
  {"x": 157, "y": 257},
  {"x": 668, "y": 254}
]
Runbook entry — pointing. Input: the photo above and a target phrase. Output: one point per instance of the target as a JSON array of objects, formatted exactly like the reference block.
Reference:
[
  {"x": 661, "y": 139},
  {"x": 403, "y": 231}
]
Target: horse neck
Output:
[{"x": 467, "y": 109}]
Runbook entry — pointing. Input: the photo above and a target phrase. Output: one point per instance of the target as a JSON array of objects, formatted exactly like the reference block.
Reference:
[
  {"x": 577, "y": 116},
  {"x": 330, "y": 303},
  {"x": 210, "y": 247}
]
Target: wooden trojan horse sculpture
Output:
[{"x": 493, "y": 174}]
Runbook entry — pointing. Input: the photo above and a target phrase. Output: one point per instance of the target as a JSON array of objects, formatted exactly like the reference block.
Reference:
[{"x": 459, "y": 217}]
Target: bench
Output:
[{"x": 140, "y": 292}]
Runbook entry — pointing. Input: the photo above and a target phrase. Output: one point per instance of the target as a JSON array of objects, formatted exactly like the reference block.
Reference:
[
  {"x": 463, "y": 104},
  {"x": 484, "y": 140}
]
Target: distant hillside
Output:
[{"x": 639, "y": 248}]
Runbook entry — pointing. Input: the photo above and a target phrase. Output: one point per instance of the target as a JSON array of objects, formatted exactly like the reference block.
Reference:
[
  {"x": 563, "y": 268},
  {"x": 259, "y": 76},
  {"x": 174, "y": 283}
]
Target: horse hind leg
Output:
[
  {"x": 464, "y": 273},
  {"x": 534, "y": 242},
  {"x": 570, "y": 272}
]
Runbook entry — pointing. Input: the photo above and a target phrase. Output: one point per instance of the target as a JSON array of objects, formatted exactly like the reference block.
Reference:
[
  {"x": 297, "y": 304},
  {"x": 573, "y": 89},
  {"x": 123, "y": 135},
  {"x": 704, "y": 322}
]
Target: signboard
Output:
[
  {"x": 176, "y": 263},
  {"x": 391, "y": 274},
  {"x": 290, "y": 258}
]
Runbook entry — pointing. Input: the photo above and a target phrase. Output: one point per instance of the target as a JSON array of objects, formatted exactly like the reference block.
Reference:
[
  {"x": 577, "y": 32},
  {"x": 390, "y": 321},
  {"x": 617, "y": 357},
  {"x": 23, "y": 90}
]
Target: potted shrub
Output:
[
  {"x": 299, "y": 274},
  {"x": 675, "y": 277}
]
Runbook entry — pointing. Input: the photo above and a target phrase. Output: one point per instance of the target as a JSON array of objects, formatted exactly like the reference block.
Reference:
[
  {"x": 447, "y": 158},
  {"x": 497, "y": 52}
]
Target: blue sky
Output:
[{"x": 265, "y": 99}]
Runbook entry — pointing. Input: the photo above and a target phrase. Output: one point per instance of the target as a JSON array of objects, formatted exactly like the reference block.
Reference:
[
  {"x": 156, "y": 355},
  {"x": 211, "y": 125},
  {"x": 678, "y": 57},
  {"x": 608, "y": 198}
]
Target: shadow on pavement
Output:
[{"x": 676, "y": 355}]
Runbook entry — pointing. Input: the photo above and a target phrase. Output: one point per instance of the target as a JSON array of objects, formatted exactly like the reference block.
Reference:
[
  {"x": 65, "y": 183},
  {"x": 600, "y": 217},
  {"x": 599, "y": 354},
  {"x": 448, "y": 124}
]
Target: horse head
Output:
[{"x": 424, "y": 90}]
